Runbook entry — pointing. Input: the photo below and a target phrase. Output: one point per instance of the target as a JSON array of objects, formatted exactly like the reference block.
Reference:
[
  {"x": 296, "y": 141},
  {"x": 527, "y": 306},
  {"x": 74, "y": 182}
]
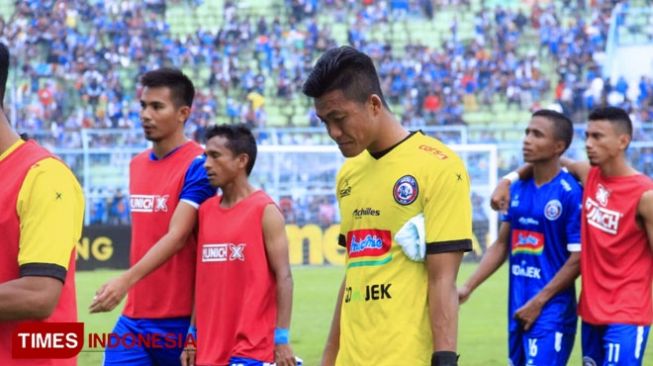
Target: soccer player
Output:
[
  {"x": 40, "y": 223},
  {"x": 540, "y": 234},
  {"x": 617, "y": 238},
  {"x": 167, "y": 185},
  {"x": 397, "y": 305},
  {"x": 243, "y": 287}
]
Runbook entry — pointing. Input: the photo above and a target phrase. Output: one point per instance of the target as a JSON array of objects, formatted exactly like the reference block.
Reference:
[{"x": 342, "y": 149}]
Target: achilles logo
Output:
[
  {"x": 223, "y": 252},
  {"x": 360, "y": 212},
  {"x": 148, "y": 203},
  {"x": 47, "y": 340},
  {"x": 602, "y": 218}
]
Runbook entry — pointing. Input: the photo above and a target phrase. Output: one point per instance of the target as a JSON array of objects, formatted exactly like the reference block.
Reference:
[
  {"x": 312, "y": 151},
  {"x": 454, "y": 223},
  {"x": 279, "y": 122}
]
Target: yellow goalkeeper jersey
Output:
[{"x": 384, "y": 315}]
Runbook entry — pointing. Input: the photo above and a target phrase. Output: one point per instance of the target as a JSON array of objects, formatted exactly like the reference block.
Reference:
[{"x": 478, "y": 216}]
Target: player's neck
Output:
[
  {"x": 165, "y": 146},
  {"x": 391, "y": 132},
  {"x": 236, "y": 191},
  {"x": 616, "y": 167},
  {"x": 8, "y": 136},
  {"x": 545, "y": 171}
]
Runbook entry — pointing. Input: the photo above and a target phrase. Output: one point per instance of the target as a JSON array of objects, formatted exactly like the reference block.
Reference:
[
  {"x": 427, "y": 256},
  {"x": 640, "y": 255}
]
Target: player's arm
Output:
[
  {"x": 333, "y": 340},
  {"x": 492, "y": 260},
  {"x": 50, "y": 207},
  {"x": 579, "y": 169},
  {"x": 500, "y": 197},
  {"x": 29, "y": 297},
  {"x": 196, "y": 190},
  {"x": 448, "y": 228},
  {"x": 181, "y": 225},
  {"x": 276, "y": 246},
  {"x": 188, "y": 354},
  {"x": 442, "y": 271},
  {"x": 565, "y": 277},
  {"x": 645, "y": 211}
]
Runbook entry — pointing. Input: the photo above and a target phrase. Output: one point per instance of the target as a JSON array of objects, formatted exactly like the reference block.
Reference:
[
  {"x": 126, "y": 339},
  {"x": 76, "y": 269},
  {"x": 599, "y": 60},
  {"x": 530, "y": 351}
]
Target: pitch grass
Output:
[{"x": 482, "y": 328}]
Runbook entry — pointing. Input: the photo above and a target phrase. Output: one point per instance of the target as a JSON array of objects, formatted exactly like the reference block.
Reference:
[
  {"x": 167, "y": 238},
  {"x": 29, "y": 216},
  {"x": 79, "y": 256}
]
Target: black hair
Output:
[
  {"x": 618, "y": 117},
  {"x": 562, "y": 126},
  {"x": 4, "y": 71},
  {"x": 240, "y": 140},
  {"x": 181, "y": 88},
  {"x": 347, "y": 69}
]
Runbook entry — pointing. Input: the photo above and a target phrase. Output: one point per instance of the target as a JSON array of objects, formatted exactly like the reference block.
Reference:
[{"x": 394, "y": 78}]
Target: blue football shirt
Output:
[{"x": 545, "y": 229}]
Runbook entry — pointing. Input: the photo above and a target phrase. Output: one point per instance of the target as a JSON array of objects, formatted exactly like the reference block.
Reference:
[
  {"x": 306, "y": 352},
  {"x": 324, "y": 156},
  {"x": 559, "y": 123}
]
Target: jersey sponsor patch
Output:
[
  {"x": 602, "y": 218},
  {"x": 223, "y": 252},
  {"x": 148, "y": 203},
  {"x": 405, "y": 190},
  {"x": 527, "y": 242},
  {"x": 368, "y": 247},
  {"x": 553, "y": 210}
]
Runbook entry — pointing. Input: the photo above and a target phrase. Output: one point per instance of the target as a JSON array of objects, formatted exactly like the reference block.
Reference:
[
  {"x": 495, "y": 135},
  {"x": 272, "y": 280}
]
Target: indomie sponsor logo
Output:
[
  {"x": 602, "y": 218},
  {"x": 360, "y": 212},
  {"x": 223, "y": 252},
  {"x": 148, "y": 203},
  {"x": 374, "y": 243},
  {"x": 527, "y": 242}
]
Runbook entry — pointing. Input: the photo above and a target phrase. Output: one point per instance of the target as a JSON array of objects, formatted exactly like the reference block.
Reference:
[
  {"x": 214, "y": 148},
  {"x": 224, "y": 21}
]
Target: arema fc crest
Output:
[
  {"x": 405, "y": 190},
  {"x": 553, "y": 210}
]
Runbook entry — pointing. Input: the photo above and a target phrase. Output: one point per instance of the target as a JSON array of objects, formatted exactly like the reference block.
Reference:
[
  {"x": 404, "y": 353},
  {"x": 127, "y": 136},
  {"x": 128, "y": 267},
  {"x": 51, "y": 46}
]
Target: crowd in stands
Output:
[{"x": 76, "y": 64}]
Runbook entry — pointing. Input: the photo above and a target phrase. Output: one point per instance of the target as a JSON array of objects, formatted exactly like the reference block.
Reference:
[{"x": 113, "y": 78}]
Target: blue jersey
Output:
[
  {"x": 197, "y": 188},
  {"x": 545, "y": 229}
]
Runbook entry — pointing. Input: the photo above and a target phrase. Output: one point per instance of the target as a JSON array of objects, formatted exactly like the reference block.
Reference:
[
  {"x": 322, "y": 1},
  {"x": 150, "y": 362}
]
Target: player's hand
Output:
[
  {"x": 500, "y": 198},
  {"x": 529, "y": 313},
  {"x": 109, "y": 295},
  {"x": 283, "y": 355},
  {"x": 188, "y": 356},
  {"x": 463, "y": 294}
]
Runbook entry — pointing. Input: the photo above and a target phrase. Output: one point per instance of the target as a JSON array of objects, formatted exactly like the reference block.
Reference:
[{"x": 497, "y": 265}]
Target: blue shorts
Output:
[
  {"x": 613, "y": 344},
  {"x": 539, "y": 347},
  {"x": 241, "y": 361},
  {"x": 166, "y": 341}
]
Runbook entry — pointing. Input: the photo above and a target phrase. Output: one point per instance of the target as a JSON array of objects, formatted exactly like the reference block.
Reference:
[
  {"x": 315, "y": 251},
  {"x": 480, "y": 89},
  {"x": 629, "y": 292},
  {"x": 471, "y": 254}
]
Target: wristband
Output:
[
  {"x": 444, "y": 358},
  {"x": 512, "y": 177},
  {"x": 192, "y": 331},
  {"x": 281, "y": 336}
]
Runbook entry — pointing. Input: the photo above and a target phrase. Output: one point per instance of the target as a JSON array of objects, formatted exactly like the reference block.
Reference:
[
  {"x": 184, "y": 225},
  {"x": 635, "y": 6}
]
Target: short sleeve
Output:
[
  {"x": 448, "y": 210},
  {"x": 573, "y": 208},
  {"x": 50, "y": 207},
  {"x": 197, "y": 188}
]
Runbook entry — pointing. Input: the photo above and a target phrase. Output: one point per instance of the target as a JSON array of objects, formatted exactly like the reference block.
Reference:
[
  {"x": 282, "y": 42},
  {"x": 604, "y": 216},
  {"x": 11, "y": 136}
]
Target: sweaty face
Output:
[
  {"x": 540, "y": 143},
  {"x": 602, "y": 141},
  {"x": 160, "y": 117},
  {"x": 221, "y": 164},
  {"x": 347, "y": 122}
]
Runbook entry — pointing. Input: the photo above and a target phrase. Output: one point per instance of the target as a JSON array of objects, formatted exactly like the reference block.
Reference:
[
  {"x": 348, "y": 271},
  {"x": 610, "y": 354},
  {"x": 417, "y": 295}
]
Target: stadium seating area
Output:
[{"x": 480, "y": 65}]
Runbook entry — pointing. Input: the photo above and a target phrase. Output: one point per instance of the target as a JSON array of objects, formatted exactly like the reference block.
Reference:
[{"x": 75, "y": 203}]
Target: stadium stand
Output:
[{"x": 479, "y": 67}]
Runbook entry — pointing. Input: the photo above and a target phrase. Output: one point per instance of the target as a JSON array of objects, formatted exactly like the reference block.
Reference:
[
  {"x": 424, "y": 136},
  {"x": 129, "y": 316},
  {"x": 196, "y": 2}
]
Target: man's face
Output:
[
  {"x": 603, "y": 141},
  {"x": 160, "y": 116},
  {"x": 348, "y": 122},
  {"x": 221, "y": 165},
  {"x": 540, "y": 143}
]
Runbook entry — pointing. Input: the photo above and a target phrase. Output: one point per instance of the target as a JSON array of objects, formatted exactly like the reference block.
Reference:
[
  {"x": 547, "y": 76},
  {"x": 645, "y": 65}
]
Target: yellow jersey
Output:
[{"x": 384, "y": 315}]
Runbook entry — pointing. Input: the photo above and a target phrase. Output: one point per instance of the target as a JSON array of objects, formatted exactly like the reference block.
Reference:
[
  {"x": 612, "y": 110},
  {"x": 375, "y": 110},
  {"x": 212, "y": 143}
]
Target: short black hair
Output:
[
  {"x": 618, "y": 117},
  {"x": 562, "y": 125},
  {"x": 240, "y": 140},
  {"x": 347, "y": 69},
  {"x": 4, "y": 71},
  {"x": 181, "y": 88}
]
